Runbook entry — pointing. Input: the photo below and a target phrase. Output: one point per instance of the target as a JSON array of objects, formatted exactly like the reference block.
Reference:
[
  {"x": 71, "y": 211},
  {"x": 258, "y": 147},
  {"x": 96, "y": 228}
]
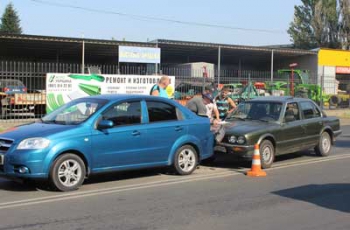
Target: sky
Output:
[{"x": 237, "y": 22}]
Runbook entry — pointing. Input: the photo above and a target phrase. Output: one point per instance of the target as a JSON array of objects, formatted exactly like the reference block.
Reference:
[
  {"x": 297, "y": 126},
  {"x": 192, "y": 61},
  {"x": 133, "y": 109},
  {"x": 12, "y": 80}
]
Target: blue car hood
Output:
[{"x": 33, "y": 130}]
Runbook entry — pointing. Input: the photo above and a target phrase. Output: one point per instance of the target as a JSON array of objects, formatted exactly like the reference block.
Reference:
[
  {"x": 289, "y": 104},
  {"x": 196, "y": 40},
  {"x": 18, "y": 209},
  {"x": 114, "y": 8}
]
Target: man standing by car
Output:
[
  {"x": 212, "y": 109},
  {"x": 160, "y": 88},
  {"x": 225, "y": 104},
  {"x": 203, "y": 106}
]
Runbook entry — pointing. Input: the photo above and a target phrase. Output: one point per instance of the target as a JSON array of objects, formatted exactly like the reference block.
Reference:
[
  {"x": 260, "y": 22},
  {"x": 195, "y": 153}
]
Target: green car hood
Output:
[{"x": 245, "y": 127}]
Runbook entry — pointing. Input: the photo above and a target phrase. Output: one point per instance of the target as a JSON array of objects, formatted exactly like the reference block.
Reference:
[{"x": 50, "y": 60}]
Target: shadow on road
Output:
[
  {"x": 230, "y": 161},
  {"x": 342, "y": 143},
  {"x": 331, "y": 196},
  {"x": 127, "y": 175},
  {"x": 26, "y": 186},
  {"x": 223, "y": 160},
  {"x": 18, "y": 186}
]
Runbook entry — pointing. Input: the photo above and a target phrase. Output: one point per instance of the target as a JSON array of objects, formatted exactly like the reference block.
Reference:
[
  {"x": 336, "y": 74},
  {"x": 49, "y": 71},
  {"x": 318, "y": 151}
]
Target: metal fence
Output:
[{"x": 188, "y": 82}]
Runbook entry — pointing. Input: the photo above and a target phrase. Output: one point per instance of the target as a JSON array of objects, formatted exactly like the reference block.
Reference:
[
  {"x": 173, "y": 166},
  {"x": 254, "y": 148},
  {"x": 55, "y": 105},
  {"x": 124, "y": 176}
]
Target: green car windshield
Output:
[{"x": 257, "y": 110}]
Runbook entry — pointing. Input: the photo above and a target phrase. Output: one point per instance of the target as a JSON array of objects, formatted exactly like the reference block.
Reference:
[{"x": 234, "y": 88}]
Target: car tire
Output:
[
  {"x": 67, "y": 172},
  {"x": 334, "y": 100},
  {"x": 323, "y": 148},
  {"x": 185, "y": 160},
  {"x": 267, "y": 154}
]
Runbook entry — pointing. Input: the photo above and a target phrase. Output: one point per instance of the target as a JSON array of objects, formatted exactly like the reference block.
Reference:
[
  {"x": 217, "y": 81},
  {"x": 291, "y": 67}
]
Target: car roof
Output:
[
  {"x": 118, "y": 97},
  {"x": 8, "y": 79},
  {"x": 121, "y": 97},
  {"x": 282, "y": 99}
]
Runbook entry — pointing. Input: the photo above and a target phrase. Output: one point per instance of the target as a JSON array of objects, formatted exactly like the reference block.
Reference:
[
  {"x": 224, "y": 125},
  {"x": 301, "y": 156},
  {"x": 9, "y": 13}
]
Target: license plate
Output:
[
  {"x": 220, "y": 134},
  {"x": 2, "y": 159}
]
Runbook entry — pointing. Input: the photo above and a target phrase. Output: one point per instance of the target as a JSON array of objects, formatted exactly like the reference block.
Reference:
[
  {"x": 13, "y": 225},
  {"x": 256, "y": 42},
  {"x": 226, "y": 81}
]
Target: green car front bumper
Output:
[{"x": 242, "y": 151}]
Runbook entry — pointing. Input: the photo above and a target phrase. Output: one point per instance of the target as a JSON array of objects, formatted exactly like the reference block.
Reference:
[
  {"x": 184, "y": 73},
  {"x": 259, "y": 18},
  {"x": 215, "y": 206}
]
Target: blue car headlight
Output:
[{"x": 34, "y": 143}]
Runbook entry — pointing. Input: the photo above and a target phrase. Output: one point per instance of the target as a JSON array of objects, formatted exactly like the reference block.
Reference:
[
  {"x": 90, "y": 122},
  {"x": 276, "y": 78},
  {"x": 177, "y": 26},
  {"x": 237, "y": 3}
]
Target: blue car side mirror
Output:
[{"x": 105, "y": 124}]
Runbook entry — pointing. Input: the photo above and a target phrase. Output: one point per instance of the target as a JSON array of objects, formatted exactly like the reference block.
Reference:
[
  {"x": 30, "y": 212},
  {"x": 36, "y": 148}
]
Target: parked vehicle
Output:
[
  {"x": 15, "y": 99},
  {"x": 12, "y": 86},
  {"x": 303, "y": 88},
  {"x": 197, "y": 69},
  {"x": 235, "y": 88},
  {"x": 279, "y": 125},
  {"x": 240, "y": 92},
  {"x": 186, "y": 90},
  {"x": 105, "y": 133}
]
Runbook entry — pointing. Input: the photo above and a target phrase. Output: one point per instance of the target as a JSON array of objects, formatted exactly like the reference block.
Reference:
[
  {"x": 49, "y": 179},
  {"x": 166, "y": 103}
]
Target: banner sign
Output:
[
  {"x": 139, "y": 54},
  {"x": 342, "y": 70},
  {"x": 62, "y": 88}
]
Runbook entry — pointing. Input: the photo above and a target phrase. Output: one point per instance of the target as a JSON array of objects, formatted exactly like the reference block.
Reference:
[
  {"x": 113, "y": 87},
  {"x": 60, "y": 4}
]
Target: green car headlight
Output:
[
  {"x": 241, "y": 140},
  {"x": 34, "y": 143},
  {"x": 232, "y": 139}
]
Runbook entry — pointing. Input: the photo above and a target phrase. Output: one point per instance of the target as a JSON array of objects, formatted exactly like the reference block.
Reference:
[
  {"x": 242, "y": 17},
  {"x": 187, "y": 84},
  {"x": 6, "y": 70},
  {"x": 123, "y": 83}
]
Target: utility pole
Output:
[
  {"x": 272, "y": 66},
  {"x": 83, "y": 57},
  {"x": 292, "y": 66},
  {"x": 219, "y": 64}
]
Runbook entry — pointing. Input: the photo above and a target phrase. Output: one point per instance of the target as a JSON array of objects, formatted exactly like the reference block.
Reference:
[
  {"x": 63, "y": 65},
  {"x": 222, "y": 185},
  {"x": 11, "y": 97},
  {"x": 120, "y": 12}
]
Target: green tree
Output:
[
  {"x": 301, "y": 31},
  {"x": 10, "y": 22},
  {"x": 327, "y": 21},
  {"x": 315, "y": 24},
  {"x": 345, "y": 23}
]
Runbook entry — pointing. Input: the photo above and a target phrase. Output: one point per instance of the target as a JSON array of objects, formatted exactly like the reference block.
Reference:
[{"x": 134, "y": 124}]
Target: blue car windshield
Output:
[
  {"x": 74, "y": 112},
  {"x": 257, "y": 110}
]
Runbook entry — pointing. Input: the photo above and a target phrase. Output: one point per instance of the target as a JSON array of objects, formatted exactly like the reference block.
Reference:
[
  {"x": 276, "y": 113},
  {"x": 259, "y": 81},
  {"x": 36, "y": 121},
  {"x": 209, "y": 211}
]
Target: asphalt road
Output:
[{"x": 301, "y": 191}]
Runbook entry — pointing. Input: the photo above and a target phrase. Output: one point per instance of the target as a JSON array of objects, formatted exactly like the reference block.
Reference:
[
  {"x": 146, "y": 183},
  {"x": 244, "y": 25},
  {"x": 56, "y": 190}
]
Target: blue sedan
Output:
[{"x": 105, "y": 133}]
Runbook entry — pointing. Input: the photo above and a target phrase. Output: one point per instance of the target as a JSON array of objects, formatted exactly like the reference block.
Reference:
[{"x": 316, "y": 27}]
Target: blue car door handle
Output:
[
  {"x": 136, "y": 133},
  {"x": 178, "y": 128}
]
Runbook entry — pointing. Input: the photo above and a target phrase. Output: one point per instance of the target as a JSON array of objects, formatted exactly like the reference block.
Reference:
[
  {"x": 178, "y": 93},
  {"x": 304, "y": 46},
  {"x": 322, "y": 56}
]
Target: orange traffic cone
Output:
[{"x": 256, "y": 164}]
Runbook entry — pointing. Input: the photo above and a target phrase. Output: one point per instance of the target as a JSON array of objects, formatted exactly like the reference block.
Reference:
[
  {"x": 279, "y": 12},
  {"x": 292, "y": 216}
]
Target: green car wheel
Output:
[
  {"x": 324, "y": 146},
  {"x": 267, "y": 154}
]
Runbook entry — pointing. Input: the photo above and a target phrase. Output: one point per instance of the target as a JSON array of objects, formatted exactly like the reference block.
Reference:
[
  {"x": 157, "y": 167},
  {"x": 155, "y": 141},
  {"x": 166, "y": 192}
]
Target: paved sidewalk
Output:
[{"x": 342, "y": 114}]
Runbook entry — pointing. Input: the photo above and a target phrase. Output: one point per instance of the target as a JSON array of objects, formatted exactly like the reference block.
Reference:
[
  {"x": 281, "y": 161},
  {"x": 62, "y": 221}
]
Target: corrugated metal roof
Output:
[
  {"x": 49, "y": 48},
  {"x": 26, "y": 37},
  {"x": 234, "y": 47},
  {"x": 154, "y": 43}
]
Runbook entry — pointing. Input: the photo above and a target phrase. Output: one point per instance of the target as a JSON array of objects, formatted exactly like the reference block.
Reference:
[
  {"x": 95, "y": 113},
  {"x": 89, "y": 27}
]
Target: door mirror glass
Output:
[{"x": 105, "y": 124}]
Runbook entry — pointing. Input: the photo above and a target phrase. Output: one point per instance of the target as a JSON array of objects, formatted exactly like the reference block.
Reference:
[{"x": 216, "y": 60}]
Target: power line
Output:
[{"x": 142, "y": 17}]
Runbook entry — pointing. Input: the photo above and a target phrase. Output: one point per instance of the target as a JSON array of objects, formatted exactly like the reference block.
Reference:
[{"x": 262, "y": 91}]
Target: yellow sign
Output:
[
  {"x": 329, "y": 57},
  {"x": 170, "y": 91}
]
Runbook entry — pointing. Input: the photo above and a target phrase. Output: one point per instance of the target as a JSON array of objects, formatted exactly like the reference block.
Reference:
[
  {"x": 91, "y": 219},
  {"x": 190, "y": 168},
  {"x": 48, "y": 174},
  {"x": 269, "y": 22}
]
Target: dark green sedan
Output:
[{"x": 279, "y": 125}]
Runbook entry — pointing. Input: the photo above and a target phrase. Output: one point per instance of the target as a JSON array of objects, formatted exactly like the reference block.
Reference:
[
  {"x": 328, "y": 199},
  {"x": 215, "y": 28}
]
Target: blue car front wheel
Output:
[{"x": 67, "y": 172}]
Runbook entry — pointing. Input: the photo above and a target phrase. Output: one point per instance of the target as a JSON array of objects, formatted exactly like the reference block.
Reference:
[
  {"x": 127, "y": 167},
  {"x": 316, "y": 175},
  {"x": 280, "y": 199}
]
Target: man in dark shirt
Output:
[{"x": 198, "y": 104}]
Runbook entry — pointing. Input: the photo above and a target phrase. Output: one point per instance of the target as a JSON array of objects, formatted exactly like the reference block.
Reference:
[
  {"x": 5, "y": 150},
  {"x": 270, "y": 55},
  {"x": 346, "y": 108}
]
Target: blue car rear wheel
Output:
[{"x": 186, "y": 160}]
